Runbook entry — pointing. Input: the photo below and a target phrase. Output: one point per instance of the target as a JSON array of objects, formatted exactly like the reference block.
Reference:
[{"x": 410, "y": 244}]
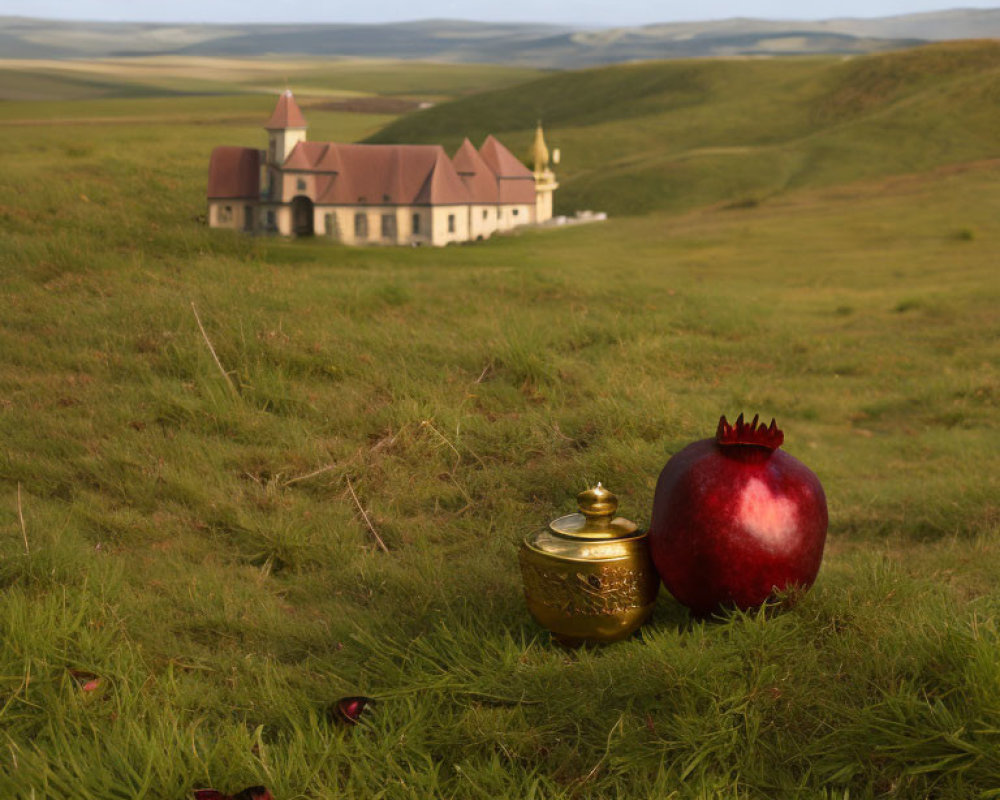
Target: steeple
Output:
[
  {"x": 539, "y": 152},
  {"x": 545, "y": 179},
  {"x": 285, "y": 129},
  {"x": 287, "y": 113}
]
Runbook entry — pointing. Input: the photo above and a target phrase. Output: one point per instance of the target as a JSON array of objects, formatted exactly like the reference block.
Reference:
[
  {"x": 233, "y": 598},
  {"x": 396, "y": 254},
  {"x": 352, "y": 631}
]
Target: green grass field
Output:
[
  {"x": 199, "y": 551},
  {"x": 157, "y": 76}
]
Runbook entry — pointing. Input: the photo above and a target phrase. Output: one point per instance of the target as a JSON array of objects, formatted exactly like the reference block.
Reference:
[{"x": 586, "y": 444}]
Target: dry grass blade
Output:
[
  {"x": 618, "y": 726},
  {"x": 368, "y": 522},
  {"x": 309, "y": 475},
  {"x": 458, "y": 456},
  {"x": 482, "y": 375},
  {"x": 20, "y": 516},
  {"x": 211, "y": 349}
]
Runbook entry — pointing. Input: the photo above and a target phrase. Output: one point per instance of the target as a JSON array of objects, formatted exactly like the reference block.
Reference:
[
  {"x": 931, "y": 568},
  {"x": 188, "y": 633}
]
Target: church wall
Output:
[
  {"x": 401, "y": 230},
  {"x": 231, "y": 213},
  {"x": 335, "y": 222},
  {"x": 283, "y": 220},
  {"x": 325, "y": 222},
  {"x": 293, "y": 184},
  {"x": 545, "y": 186},
  {"x": 482, "y": 220},
  {"x": 377, "y": 233},
  {"x": 271, "y": 184},
  {"x": 341, "y": 223},
  {"x": 267, "y": 218},
  {"x": 449, "y": 224},
  {"x": 543, "y": 206},
  {"x": 422, "y": 233},
  {"x": 513, "y": 214}
]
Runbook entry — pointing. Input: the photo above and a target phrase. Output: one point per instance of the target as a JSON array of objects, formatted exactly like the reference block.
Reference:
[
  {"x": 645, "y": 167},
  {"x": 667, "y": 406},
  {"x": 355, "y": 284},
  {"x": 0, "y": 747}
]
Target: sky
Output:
[{"x": 573, "y": 12}]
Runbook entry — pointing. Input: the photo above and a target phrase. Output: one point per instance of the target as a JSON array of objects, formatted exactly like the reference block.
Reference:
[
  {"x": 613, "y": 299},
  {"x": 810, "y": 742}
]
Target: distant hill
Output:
[
  {"x": 680, "y": 134},
  {"x": 532, "y": 45}
]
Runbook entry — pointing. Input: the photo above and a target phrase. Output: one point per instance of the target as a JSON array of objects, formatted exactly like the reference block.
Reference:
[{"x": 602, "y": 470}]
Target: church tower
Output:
[
  {"x": 545, "y": 179},
  {"x": 285, "y": 129}
]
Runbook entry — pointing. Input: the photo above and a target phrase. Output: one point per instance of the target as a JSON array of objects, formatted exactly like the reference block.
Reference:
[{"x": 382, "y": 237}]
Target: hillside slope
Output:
[
  {"x": 528, "y": 44},
  {"x": 674, "y": 135}
]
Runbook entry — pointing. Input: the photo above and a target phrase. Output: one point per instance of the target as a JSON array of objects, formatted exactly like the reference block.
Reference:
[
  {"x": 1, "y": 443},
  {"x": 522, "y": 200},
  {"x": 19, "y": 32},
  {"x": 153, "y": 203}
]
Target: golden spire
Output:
[{"x": 539, "y": 152}]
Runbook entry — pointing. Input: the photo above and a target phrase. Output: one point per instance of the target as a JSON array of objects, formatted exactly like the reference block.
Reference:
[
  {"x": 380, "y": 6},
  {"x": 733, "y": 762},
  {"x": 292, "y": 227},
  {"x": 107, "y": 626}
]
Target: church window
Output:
[
  {"x": 484, "y": 213},
  {"x": 416, "y": 223},
  {"x": 360, "y": 225},
  {"x": 225, "y": 213},
  {"x": 451, "y": 223},
  {"x": 388, "y": 226},
  {"x": 514, "y": 212},
  {"x": 300, "y": 184}
]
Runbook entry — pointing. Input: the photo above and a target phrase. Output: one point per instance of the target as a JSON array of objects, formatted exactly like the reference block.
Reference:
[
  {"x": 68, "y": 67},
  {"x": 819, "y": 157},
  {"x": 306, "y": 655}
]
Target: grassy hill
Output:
[
  {"x": 675, "y": 135},
  {"x": 530, "y": 44},
  {"x": 187, "y": 578}
]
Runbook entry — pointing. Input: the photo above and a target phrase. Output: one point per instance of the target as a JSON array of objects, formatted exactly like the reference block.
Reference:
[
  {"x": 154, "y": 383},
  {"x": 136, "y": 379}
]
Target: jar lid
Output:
[{"x": 596, "y": 518}]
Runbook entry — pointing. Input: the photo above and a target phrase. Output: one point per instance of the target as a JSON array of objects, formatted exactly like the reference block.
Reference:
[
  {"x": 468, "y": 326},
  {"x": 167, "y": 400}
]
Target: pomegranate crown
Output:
[{"x": 761, "y": 435}]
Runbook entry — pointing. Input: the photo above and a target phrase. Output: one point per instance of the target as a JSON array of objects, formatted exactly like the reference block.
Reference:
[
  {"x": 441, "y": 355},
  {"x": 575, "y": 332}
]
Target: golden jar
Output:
[{"x": 589, "y": 577}]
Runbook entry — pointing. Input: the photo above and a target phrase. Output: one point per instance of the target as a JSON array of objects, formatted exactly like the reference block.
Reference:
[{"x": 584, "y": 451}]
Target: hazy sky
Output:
[{"x": 580, "y": 12}]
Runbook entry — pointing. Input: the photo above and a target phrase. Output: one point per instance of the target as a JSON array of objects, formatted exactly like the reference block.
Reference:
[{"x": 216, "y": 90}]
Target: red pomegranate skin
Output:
[{"x": 735, "y": 519}]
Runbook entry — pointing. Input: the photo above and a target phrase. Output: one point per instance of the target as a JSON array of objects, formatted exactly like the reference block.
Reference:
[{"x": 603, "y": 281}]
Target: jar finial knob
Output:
[{"x": 597, "y": 502}]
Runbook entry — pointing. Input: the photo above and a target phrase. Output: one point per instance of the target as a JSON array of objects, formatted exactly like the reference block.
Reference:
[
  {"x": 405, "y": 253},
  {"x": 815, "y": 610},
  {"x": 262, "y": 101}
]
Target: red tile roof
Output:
[
  {"x": 378, "y": 174},
  {"x": 234, "y": 172},
  {"x": 516, "y": 182},
  {"x": 517, "y": 190},
  {"x": 287, "y": 114},
  {"x": 476, "y": 174},
  {"x": 443, "y": 186},
  {"x": 314, "y": 157},
  {"x": 502, "y": 161}
]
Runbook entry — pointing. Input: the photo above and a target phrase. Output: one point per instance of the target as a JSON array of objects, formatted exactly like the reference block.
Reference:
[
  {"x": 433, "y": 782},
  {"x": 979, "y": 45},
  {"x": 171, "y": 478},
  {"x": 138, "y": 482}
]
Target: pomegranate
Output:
[{"x": 735, "y": 519}]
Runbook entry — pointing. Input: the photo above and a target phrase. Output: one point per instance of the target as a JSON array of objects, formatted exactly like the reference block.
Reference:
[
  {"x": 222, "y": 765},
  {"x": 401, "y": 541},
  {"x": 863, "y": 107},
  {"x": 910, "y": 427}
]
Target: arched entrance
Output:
[{"x": 302, "y": 216}]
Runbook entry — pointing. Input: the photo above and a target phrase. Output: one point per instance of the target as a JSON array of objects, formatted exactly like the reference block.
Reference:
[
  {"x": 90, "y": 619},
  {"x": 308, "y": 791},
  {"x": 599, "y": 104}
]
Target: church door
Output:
[{"x": 302, "y": 216}]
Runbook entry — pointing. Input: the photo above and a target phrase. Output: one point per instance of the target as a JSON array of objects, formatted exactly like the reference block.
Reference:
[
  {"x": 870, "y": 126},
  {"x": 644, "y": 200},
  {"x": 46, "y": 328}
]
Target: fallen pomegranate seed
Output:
[{"x": 351, "y": 709}]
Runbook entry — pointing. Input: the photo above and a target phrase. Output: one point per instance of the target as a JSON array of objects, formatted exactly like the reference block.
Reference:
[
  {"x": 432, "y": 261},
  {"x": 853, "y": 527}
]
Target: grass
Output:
[{"x": 199, "y": 551}]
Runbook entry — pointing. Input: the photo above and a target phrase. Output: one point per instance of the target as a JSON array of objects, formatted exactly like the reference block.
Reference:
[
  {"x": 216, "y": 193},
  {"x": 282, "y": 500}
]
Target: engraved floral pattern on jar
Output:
[{"x": 611, "y": 590}]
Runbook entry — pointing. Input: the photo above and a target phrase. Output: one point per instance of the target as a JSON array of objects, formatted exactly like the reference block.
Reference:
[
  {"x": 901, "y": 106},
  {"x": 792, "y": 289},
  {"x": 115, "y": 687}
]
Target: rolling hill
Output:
[
  {"x": 679, "y": 134},
  {"x": 560, "y": 46}
]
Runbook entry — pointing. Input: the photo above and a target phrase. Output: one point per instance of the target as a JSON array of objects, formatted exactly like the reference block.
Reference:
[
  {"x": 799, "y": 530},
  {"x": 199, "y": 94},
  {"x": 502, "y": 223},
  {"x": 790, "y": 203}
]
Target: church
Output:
[{"x": 388, "y": 194}]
